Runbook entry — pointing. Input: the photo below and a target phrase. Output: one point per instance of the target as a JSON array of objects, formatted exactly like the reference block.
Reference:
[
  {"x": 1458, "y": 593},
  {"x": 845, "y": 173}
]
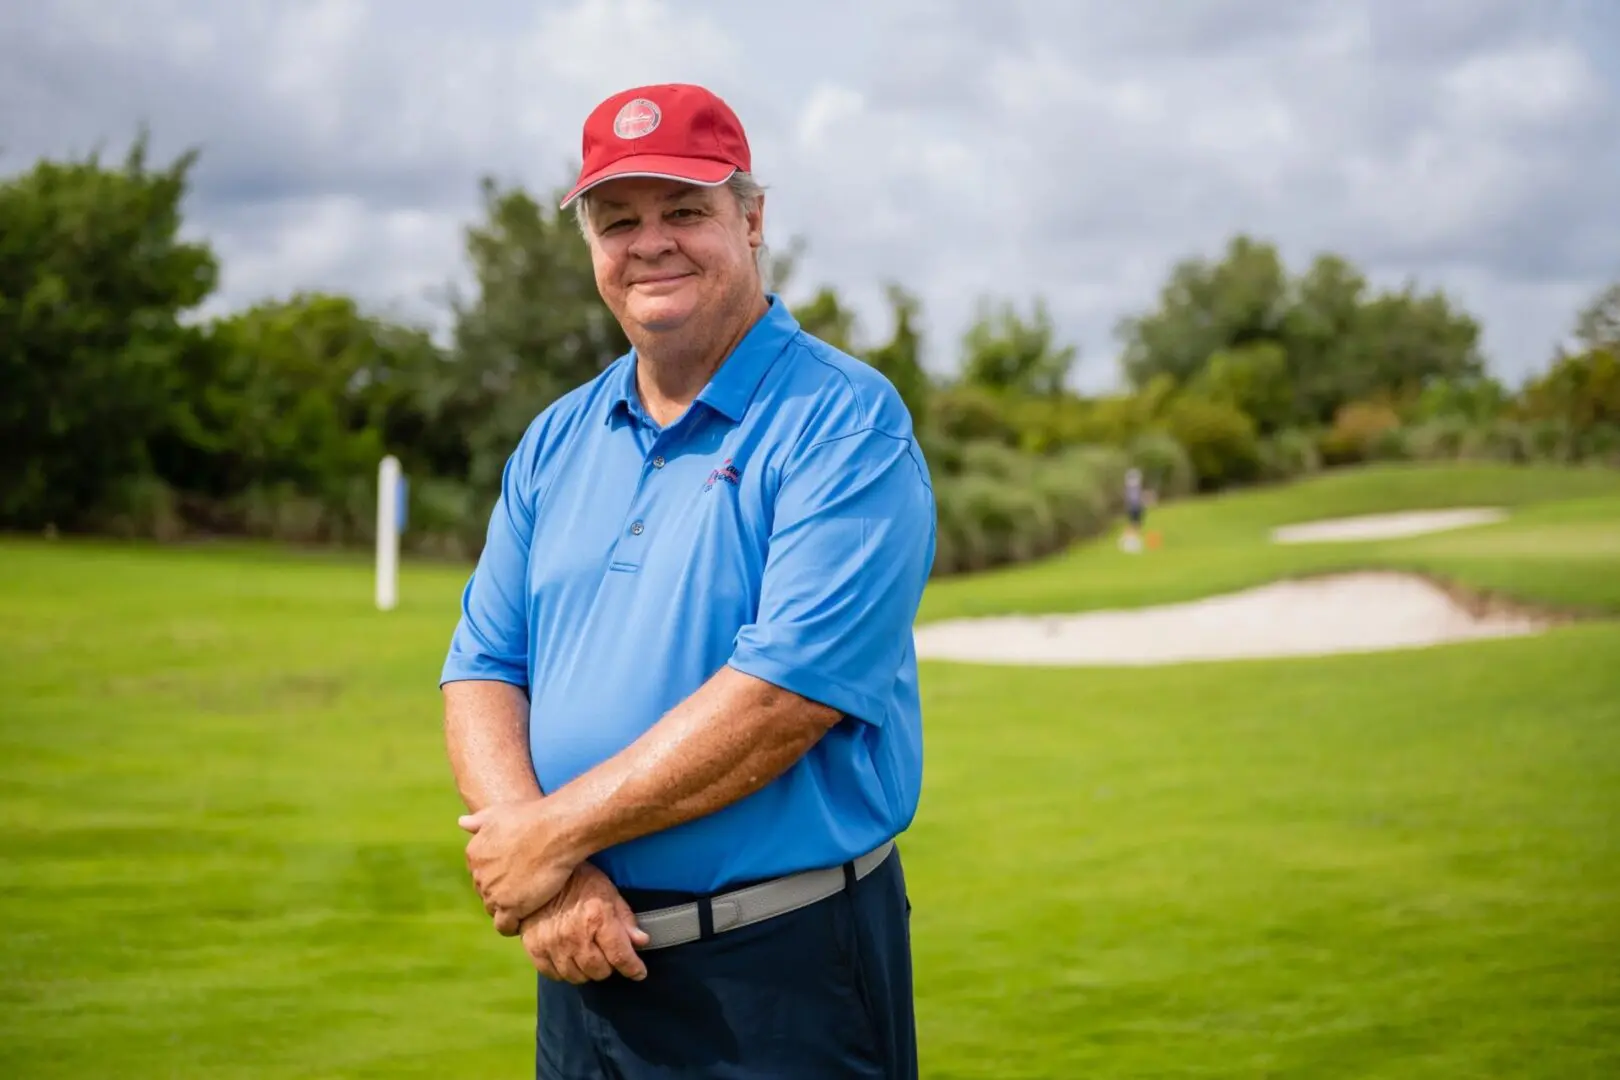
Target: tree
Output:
[
  {"x": 1581, "y": 389},
  {"x": 825, "y": 316},
  {"x": 1005, "y": 353},
  {"x": 1205, "y": 307},
  {"x": 1405, "y": 339},
  {"x": 900, "y": 358},
  {"x": 536, "y": 329},
  {"x": 1319, "y": 338},
  {"x": 1220, "y": 440},
  {"x": 1597, "y": 326},
  {"x": 307, "y": 391},
  {"x": 1476, "y": 399},
  {"x": 1252, "y": 378},
  {"x": 93, "y": 281},
  {"x": 1339, "y": 344},
  {"x": 781, "y": 267}
]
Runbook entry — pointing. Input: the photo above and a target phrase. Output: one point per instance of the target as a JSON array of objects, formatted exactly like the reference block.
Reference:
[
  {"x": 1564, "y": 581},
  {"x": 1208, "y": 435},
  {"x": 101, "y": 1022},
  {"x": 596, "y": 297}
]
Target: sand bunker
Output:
[
  {"x": 1361, "y": 612},
  {"x": 1385, "y": 526}
]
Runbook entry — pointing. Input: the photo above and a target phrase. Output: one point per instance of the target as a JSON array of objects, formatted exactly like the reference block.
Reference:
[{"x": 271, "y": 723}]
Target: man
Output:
[
  {"x": 1131, "y": 539},
  {"x": 681, "y": 702}
]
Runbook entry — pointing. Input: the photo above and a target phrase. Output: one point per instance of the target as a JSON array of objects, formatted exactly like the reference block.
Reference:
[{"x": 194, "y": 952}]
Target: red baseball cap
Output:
[{"x": 673, "y": 131}]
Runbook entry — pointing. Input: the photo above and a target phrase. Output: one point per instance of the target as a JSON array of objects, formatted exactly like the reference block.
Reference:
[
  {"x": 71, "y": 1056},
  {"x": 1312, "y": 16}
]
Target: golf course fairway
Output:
[{"x": 231, "y": 846}]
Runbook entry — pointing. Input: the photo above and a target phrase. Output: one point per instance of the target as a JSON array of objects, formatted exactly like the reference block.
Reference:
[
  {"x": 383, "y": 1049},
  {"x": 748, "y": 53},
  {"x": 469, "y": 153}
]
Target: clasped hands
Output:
[{"x": 535, "y": 884}]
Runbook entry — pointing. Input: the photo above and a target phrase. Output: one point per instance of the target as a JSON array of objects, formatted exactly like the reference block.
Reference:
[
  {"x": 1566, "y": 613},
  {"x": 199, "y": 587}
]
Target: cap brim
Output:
[{"x": 700, "y": 171}]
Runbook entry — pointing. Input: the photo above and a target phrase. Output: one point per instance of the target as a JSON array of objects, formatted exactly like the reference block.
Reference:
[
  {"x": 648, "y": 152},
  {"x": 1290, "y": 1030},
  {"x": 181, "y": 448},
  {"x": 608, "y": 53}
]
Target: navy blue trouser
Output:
[{"x": 824, "y": 992}]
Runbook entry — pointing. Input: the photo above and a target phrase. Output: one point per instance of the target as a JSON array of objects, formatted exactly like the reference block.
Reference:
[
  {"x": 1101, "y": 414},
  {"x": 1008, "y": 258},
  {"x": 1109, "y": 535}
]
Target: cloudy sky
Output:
[{"x": 1071, "y": 150}]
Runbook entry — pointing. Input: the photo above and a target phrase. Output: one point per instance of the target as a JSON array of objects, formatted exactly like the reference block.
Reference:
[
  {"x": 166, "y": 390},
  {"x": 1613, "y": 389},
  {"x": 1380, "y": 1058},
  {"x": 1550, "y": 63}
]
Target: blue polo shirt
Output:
[{"x": 784, "y": 525}]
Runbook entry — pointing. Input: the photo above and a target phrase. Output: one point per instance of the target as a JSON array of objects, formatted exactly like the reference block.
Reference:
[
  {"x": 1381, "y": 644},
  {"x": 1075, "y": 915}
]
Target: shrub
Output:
[
  {"x": 1582, "y": 389},
  {"x": 1289, "y": 454},
  {"x": 972, "y": 414},
  {"x": 1600, "y": 445},
  {"x": 447, "y": 519},
  {"x": 1356, "y": 429},
  {"x": 984, "y": 458},
  {"x": 1074, "y": 496},
  {"x": 140, "y": 507},
  {"x": 282, "y": 512},
  {"x": 1498, "y": 440},
  {"x": 1005, "y": 506},
  {"x": 1551, "y": 441},
  {"x": 943, "y": 453},
  {"x": 1046, "y": 425},
  {"x": 1166, "y": 467},
  {"x": 1015, "y": 524},
  {"x": 1440, "y": 439},
  {"x": 1220, "y": 440},
  {"x": 1107, "y": 465}
]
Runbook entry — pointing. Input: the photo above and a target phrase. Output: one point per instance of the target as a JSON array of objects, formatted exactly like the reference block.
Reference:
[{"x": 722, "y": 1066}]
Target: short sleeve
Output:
[
  {"x": 851, "y": 548},
  {"x": 491, "y": 639}
]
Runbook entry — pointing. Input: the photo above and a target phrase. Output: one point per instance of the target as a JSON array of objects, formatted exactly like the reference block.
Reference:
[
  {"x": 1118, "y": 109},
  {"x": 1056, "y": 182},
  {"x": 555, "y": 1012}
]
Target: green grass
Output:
[
  {"x": 1561, "y": 545},
  {"x": 230, "y": 845}
]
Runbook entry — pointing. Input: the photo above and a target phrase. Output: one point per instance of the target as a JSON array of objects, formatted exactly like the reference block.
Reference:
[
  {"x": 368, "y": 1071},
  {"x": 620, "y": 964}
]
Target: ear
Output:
[{"x": 756, "y": 223}]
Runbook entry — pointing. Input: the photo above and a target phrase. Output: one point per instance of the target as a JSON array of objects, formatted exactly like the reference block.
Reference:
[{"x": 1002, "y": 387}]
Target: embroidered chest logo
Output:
[{"x": 727, "y": 472}]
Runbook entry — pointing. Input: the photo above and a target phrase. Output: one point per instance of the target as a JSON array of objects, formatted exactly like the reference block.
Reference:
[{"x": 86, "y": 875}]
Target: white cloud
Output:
[
  {"x": 1528, "y": 86},
  {"x": 601, "y": 46},
  {"x": 1073, "y": 150}
]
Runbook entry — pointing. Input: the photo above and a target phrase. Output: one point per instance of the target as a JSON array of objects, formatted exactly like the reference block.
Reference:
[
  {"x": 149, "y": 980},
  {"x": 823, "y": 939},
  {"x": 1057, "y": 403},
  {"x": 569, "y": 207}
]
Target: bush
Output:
[
  {"x": 140, "y": 507},
  {"x": 1166, "y": 467},
  {"x": 1356, "y": 431},
  {"x": 446, "y": 519},
  {"x": 1497, "y": 440},
  {"x": 1289, "y": 454},
  {"x": 1582, "y": 390},
  {"x": 998, "y": 523},
  {"x": 1004, "y": 506},
  {"x": 1107, "y": 465},
  {"x": 984, "y": 458},
  {"x": 961, "y": 546},
  {"x": 943, "y": 453},
  {"x": 1551, "y": 442},
  {"x": 1046, "y": 425},
  {"x": 1600, "y": 445},
  {"x": 1076, "y": 498},
  {"x": 1219, "y": 439},
  {"x": 282, "y": 512},
  {"x": 972, "y": 414},
  {"x": 1440, "y": 439}
]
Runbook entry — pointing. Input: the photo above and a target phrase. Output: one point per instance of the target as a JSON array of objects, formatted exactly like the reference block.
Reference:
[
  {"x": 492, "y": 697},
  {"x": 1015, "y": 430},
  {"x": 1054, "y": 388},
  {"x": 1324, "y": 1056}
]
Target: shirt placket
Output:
[{"x": 640, "y": 520}]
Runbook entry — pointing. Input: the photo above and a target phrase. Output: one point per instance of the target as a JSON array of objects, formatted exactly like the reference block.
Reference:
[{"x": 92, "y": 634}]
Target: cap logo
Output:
[{"x": 637, "y": 118}]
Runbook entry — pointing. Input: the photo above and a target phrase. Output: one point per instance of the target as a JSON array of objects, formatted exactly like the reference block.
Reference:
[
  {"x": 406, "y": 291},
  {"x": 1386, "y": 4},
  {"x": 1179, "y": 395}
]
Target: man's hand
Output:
[
  {"x": 586, "y": 932},
  {"x": 519, "y": 859}
]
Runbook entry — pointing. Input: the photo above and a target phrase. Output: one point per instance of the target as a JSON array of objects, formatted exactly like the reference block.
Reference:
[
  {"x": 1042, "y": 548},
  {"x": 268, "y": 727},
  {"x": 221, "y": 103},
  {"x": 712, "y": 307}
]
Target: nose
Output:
[{"x": 652, "y": 239}]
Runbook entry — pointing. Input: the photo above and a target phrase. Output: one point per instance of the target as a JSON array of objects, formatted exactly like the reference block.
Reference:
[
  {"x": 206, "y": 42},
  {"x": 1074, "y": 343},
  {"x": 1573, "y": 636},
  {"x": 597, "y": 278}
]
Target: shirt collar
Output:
[{"x": 732, "y": 387}]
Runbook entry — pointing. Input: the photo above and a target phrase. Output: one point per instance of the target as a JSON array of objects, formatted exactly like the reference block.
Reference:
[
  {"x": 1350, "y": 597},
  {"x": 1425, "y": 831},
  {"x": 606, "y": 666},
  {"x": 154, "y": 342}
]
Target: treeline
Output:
[{"x": 126, "y": 414}]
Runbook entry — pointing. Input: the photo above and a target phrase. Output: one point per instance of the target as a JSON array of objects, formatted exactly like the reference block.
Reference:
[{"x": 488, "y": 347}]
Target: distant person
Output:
[
  {"x": 1135, "y": 509},
  {"x": 681, "y": 702}
]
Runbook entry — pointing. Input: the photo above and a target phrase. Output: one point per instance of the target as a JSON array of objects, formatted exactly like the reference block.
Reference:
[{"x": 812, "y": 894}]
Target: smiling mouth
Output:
[{"x": 661, "y": 280}]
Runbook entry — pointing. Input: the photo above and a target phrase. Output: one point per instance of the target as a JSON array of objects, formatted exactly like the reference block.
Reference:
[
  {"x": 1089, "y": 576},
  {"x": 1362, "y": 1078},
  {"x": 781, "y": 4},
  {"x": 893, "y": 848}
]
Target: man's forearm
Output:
[
  {"x": 486, "y": 727},
  {"x": 730, "y": 738}
]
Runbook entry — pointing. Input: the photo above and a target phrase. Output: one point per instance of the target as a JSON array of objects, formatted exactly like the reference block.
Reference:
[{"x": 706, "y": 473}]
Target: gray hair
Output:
[{"x": 744, "y": 189}]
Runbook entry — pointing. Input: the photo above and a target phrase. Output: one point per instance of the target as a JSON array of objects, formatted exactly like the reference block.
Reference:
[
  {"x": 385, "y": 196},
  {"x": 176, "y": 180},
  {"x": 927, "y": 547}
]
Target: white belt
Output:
[{"x": 684, "y": 922}]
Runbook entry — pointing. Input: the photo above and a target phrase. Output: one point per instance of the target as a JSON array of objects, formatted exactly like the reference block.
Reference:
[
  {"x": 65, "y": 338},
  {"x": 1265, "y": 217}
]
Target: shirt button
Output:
[
  {"x": 658, "y": 463},
  {"x": 637, "y": 528}
]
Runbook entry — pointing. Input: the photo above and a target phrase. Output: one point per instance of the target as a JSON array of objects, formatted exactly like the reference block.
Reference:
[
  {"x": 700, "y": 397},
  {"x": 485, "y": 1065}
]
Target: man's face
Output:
[{"x": 665, "y": 251}]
